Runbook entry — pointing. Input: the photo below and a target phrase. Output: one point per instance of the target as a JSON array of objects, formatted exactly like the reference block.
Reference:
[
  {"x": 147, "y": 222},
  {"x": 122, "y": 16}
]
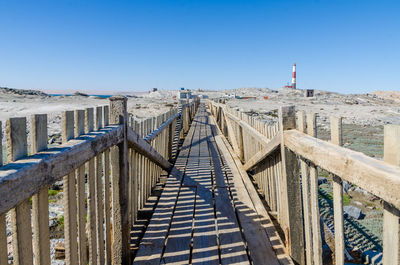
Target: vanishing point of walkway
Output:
[{"x": 208, "y": 213}]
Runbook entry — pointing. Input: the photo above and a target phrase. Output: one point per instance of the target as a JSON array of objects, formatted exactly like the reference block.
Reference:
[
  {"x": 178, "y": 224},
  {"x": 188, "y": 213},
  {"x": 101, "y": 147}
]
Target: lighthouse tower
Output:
[{"x": 294, "y": 76}]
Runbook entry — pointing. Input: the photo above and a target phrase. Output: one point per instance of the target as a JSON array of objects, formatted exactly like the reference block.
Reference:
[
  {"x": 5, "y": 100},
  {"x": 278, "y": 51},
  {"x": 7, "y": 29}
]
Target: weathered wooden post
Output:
[
  {"x": 391, "y": 215},
  {"x": 120, "y": 185},
  {"x": 292, "y": 219}
]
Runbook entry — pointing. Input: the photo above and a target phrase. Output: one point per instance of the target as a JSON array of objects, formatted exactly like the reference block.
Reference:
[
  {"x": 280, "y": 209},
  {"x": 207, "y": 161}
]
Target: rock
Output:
[
  {"x": 353, "y": 211},
  {"x": 77, "y": 93},
  {"x": 346, "y": 186},
  {"x": 322, "y": 180}
]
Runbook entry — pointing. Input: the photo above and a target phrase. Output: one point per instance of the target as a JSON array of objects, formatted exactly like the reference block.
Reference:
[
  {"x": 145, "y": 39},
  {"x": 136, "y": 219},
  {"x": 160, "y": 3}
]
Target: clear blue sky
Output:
[{"x": 346, "y": 46}]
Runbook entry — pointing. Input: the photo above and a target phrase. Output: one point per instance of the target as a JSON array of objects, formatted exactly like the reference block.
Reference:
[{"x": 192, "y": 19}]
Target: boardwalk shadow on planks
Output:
[{"x": 204, "y": 227}]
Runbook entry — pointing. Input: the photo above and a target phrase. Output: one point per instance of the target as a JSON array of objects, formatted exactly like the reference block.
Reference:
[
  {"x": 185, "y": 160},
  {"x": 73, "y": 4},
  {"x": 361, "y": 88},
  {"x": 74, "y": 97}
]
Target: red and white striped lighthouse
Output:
[{"x": 294, "y": 76}]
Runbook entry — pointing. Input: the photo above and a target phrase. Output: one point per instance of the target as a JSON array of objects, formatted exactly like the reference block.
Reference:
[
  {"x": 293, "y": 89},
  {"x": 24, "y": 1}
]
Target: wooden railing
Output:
[
  {"x": 108, "y": 166},
  {"x": 283, "y": 159}
]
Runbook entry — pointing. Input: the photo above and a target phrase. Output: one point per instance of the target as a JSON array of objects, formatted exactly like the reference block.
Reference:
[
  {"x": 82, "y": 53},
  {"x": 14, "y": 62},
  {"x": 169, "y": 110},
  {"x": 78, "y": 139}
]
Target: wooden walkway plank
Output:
[
  {"x": 232, "y": 246},
  {"x": 197, "y": 220},
  {"x": 152, "y": 244}
]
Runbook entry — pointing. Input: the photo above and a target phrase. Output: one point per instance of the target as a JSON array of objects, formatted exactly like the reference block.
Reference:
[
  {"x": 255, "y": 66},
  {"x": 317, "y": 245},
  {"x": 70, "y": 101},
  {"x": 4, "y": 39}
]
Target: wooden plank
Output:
[
  {"x": 336, "y": 138},
  {"x": 232, "y": 247},
  {"x": 305, "y": 182},
  {"x": 152, "y": 244},
  {"x": 21, "y": 214},
  {"x": 81, "y": 196},
  {"x": 89, "y": 120},
  {"x": 264, "y": 244},
  {"x": 106, "y": 115},
  {"x": 292, "y": 219},
  {"x": 160, "y": 129},
  {"x": 265, "y": 151},
  {"x": 144, "y": 148},
  {"x": 99, "y": 194},
  {"x": 391, "y": 215},
  {"x": 3, "y": 232},
  {"x": 107, "y": 215},
  {"x": 69, "y": 198},
  {"x": 99, "y": 209},
  {"x": 40, "y": 202},
  {"x": 120, "y": 184},
  {"x": 315, "y": 217},
  {"x": 253, "y": 132},
  {"x": 349, "y": 165},
  {"x": 205, "y": 245},
  {"x": 231, "y": 133},
  {"x": 51, "y": 164}
]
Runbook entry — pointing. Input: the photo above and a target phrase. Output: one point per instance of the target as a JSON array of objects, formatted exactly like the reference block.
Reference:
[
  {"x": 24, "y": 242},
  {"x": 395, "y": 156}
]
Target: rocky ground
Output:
[{"x": 364, "y": 117}]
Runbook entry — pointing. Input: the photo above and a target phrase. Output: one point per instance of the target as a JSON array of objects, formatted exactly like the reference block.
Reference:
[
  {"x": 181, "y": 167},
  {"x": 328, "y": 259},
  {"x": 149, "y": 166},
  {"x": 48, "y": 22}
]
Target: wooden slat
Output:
[
  {"x": 151, "y": 247},
  {"x": 81, "y": 196},
  {"x": 107, "y": 215},
  {"x": 291, "y": 215},
  {"x": 336, "y": 138},
  {"x": 160, "y": 129},
  {"x": 205, "y": 245},
  {"x": 3, "y": 232},
  {"x": 265, "y": 151},
  {"x": 69, "y": 198},
  {"x": 232, "y": 247},
  {"x": 305, "y": 182},
  {"x": 144, "y": 148},
  {"x": 315, "y": 218},
  {"x": 253, "y": 132},
  {"x": 349, "y": 165},
  {"x": 40, "y": 202},
  {"x": 91, "y": 211},
  {"x": 264, "y": 244},
  {"x": 391, "y": 215},
  {"x": 21, "y": 214},
  {"x": 99, "y": 193},
  {"x": 52, "y": 164},
  {"x": 120, "y": 185}
]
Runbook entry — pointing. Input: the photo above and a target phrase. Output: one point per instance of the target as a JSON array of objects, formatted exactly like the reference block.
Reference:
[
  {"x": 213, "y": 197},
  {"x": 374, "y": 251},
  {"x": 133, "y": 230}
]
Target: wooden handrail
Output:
[
  {"x": 156, "y": 132},
  {"x": 377, "y": 177},
  {"x": 27, "y": 176},
  {"x": 144, "y": 148},
  {"x": 271, "y": 146}
]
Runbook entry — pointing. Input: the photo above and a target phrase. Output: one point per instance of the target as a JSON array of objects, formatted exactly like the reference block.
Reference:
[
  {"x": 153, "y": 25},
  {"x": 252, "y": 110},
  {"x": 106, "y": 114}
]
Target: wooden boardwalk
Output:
[{"x": 209, "y": 211}]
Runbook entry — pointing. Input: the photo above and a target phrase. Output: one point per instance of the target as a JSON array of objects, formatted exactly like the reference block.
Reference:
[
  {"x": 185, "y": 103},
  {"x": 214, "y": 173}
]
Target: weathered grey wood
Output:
[
  {"x": 391, "y": 215},
  {"x": 291, "y": 196},
  {"x": 79, "y": 122},
  {"x": 106, "y": 115},
  {"x": 81, "y": 196},
  {"x": 120, "y": 184},
  {"x": 336, "y": 138},
  {"x": 99, "y": 208},
  {"x": 3, "y": 240},
  {"x": 231, "y": 133},
  {"x": 265, "y": 151},
  {"x": 21, "y": 214},
  {"x": 52, "y": 164},
  {"x": 89, "y": 122},
  {"x": 305, "y": 181},
  {"x": 69, "y": 198},
  {"x": 315, "y": 218},
  {"x": 160, "y": 129},
  {"x": 91, "y": 211},
  {"x": 107, "y": 215},
  {"x": 40, "y": 202},
  {"x": 99, "y": 118},
  {"x": 3, "y": 232},
  {"x": 263, "y": 241},
  {"x": 232, "y": 246},
  {"x": 253, "y": 132},
  {"x": 144, "y": 148},
  {"x": 349, "y": 165},
  {"x": 151, "y": 247}
]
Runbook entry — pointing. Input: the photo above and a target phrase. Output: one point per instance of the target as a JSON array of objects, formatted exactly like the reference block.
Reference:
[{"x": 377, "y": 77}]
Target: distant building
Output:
[
  {"x": 155, "y": 89},
  {"x": 308, "y": 93},
  {"x": 184, "y": 94}
]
